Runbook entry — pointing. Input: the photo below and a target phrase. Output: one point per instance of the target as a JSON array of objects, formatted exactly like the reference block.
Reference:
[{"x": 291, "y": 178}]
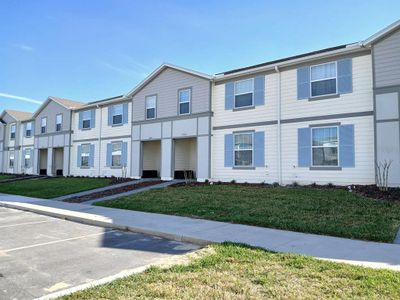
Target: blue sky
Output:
[{"x": 94, "y": 49}]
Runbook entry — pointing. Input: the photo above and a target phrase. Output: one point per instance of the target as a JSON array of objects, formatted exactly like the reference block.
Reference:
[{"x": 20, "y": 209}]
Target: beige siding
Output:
[
  {"x": 166, "y": 86},
  {"x": 50, "y": 111},
  {"x": 152, "y": 155},
  {"x": 185, "y": 154}
]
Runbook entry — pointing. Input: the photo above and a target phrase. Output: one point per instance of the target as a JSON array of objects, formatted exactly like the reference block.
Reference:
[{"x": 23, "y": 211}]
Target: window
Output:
[
  {"x": 116, "y": 154},
  {"x": 184, "y": 101},
  {"x": 243, "y": 149},
  {"x": 59, "y": 118},
  {"x": 86, "y": 119},
  {"x": 151, "y": 107},
  {"x": 117, "y": 114},
  {"x": 323, "y": 79},
  {"x": 27, "y": 158},
  {"x": 11, "y": 159},
  {"x": 244, "y": 90},
  {"x": 85, "y": 153},
  {"x": 325, "y": 146},
  {"x": 28, "y": 129},
  {"x": 43, "y": 125},
  {"x": 12, "y": 131}
]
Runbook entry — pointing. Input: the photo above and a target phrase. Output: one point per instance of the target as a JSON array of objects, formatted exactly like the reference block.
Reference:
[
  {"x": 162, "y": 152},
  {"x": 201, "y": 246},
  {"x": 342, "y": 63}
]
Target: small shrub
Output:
[
  {"x": 233, "y": 181},
  {"x": 275, "y": 184}
]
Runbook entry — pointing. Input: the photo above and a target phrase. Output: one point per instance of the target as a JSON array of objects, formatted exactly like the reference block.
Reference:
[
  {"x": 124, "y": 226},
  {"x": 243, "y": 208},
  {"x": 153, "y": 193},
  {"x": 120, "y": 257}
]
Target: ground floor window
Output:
[
  {"x": 11, "y": 159},
  {"x": 116, "y": 154},
  {"x": 243, "y": 149},
  {"x": 85, "y": 153},
  {"x": 325, "y": 146},
  {"x": 27, "y": 158}
]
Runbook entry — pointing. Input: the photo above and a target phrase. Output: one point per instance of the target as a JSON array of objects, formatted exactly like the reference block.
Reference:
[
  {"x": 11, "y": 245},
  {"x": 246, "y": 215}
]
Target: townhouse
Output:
[{"x": 327, "y": 116}]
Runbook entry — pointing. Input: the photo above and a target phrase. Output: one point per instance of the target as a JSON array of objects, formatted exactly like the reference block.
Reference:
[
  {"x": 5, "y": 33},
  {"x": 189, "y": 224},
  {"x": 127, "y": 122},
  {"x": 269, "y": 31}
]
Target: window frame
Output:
[
  {"x": 121, "y": 114},
  {"x": 30, "y": 130},
  {"x": 13, "y": 133},
  {"x": 27, "y": 150},
  {"x": 112, "y": 155},
  {"x": 252, "y": 149},
  {"x": 189, "y": 101},
  {"x": 336, "y": 78},
  {"x": 41, "y": 125},
  {"x": 238, "y": 94},
  {"x": 146, "y": 108},
  {"x": 337, "y": 146},
  {"x": 86, "y": 119},
  {"x": 61, "y": 115},
  {"x": 13, "y": 159},
  {"x": 84, "y": 154}
]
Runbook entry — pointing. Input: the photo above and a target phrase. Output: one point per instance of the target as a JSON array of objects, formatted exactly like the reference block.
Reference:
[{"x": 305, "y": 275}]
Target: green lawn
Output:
[
  {"x": 52, "y": 187},
  {"x": 331, "y": 212},
  {"x": 230, "y": 271},
  {"x": 6, "y": 176}
]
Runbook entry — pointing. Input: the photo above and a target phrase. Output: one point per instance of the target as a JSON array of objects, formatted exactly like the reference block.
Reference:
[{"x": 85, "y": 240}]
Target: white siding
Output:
[
  {"x": 77, "y": 171},
  {"x": 112, "y": 131},
  {"x": 79, "y": 134}
]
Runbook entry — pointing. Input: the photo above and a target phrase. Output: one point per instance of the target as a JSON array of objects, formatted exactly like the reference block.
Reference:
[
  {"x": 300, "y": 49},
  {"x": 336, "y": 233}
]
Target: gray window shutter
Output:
[
  {"x": 259, "y": 90},
  {"x": 304, "y": 147},
  {"x": 344, "y": 76},
  {"x": 303, "y": 83},
  {"x": 259, "y": 152},
  {"x": 23, "y": 158},
  {"x": 346, "y": 146},
  {"x": 78, "y": 158},
  {"x": 109, "y": 155},
  {"x": 91, "y": 156},
  {"x": 124, "y": 154},
  {"x": 229, "y": 95},
  {"x": 31, "y": 156},
  {"x": 33, "y": 129},
  {"x": 125, "y": 113},
  {"x": 228, "y": 162},
  {"x": 93, "y": 118},
  {"x": 80, "y": 120},
  {"x": 110, "y": 115}
]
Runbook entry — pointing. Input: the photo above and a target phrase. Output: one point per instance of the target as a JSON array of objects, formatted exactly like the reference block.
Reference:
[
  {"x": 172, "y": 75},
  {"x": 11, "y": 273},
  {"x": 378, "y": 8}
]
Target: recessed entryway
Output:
[
  {"x": 151, "y": 164},
  {"x": 185, "y": 158},
  {"x": 43, "y": 161},
  {"x": 58, "y": 161}
]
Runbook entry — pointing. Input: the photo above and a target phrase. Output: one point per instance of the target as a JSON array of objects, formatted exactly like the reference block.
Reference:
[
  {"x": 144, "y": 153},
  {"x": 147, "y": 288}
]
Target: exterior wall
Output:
[
  {"x": 185, "y": 154},
  {"x": 50, "y": 111},
  {"x": 386, "y": 58},
  {"x": 152, "y": 155},
  {"x": 2, "y": 128},
  {"x": 88, "y": 171},
  {"x": 353, "y": 108},
  {"x": 11, "y": 145}
]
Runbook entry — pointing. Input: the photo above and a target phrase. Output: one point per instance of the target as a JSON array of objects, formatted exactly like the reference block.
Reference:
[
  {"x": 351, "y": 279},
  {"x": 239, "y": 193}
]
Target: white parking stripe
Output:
[
  {"x": 55, "y": 242},
  {"x": 27, "y": 223}
]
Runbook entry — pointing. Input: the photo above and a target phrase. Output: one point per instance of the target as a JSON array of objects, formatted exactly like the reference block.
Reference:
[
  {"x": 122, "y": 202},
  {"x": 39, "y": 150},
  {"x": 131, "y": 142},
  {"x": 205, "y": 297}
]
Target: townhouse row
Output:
[{"x": 325, "y": 116}]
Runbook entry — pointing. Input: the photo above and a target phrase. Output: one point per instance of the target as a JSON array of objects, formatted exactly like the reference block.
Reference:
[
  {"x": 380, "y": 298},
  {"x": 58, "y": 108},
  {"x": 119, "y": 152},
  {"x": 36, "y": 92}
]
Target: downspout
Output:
[
  {"x": 279, "y": 135},
  {"x": 101, "y": 121}
]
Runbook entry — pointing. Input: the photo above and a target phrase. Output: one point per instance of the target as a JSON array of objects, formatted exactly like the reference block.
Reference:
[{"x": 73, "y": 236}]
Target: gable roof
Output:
[
  {"x": 17, "y": 115},
  {"x": 68, "y": 104},
  {"x": 381, "y": 34},
  {"x": 161, "y": 68}
]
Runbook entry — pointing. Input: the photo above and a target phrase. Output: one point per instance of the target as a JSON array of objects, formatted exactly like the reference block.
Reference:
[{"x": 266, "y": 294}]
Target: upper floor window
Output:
[
  {"x": 86, "y": 119},
  {"x": 184, "y": 96},
  {"x": 12, "y": 131},
  {"x": 59, "y": 119},
  {"x": 151, "y": 107},
  {"x": 116, "y": 154},
  {"x": 325, "y": 144},
  {"x": 117, "y": 114},
  {"x": 43, "y": 125},
  {"x": 28, "y": 129},
  {"x": 243, "y": 149},
  {"x": 11, "y": 159},
  {"x": 323, "y": 79},
  {"x": 244, "y": 91},
  {"x": 85, "y": 153}
]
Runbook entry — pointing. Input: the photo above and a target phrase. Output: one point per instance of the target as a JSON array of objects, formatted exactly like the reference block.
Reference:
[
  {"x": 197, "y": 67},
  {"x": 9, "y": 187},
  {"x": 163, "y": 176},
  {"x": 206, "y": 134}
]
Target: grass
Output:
[
  {"x": 330, "y": 212},
  {"x": 4, "y": 176},
  {"x": 52, "y": 187},
  {"x": 231, "y": 271}
]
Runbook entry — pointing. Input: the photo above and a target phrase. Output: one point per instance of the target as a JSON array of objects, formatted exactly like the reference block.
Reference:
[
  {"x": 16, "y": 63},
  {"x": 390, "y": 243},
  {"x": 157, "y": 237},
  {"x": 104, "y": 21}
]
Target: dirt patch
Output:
[{"x": 111, "y": 192}]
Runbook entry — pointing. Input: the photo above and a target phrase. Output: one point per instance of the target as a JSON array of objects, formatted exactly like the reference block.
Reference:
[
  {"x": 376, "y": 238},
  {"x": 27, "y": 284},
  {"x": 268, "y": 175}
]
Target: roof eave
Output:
[{"x": 380, "y": 34}]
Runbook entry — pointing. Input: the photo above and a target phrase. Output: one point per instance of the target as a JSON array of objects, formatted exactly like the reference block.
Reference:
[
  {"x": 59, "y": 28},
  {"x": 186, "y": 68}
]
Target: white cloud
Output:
[
  {"x": 15, "y": 97},
  {"x": 24, "y": 47}
]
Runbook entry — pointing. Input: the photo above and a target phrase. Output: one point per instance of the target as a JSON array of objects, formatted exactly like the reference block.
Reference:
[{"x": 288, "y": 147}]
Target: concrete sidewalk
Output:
[{"x": 369, "y": 254}]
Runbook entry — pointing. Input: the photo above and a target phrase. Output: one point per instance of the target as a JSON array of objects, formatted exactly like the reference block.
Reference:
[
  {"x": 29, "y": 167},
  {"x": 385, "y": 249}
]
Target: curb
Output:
[{"x": 160, "y": 234}]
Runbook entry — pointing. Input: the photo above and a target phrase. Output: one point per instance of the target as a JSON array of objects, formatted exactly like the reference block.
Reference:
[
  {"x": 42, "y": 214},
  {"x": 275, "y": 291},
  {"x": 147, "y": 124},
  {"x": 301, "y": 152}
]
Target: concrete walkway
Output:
[{"x": 370, "y": 254}]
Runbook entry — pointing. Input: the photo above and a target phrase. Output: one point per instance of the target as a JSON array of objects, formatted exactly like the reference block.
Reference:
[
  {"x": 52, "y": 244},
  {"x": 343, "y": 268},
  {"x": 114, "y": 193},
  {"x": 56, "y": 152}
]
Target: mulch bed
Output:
[
  {"x": 370, "y": 191},
  {"x": 110, "y": 192}
]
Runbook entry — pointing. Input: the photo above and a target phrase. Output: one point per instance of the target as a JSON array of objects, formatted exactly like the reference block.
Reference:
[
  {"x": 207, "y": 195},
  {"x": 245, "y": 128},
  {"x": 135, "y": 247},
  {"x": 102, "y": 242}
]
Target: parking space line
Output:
[
  {"x": 27, "y": 223},
  {"x": 55, "y": 242}
]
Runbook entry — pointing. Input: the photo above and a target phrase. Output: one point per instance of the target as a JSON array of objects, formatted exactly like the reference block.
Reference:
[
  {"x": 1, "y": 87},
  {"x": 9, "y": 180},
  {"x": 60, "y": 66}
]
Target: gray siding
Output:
[
  {"x": 166, "y": 86},
  {"x": 10, "y": 120},
  {"x": 387, "y": 61},
  {"x": 50, "y": 111},
  {"x": 1, "y": 133}
]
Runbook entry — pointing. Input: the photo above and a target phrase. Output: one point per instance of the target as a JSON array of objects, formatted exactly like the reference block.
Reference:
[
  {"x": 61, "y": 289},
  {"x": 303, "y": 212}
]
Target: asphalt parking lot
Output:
[{"x": 41, "y": 255}]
